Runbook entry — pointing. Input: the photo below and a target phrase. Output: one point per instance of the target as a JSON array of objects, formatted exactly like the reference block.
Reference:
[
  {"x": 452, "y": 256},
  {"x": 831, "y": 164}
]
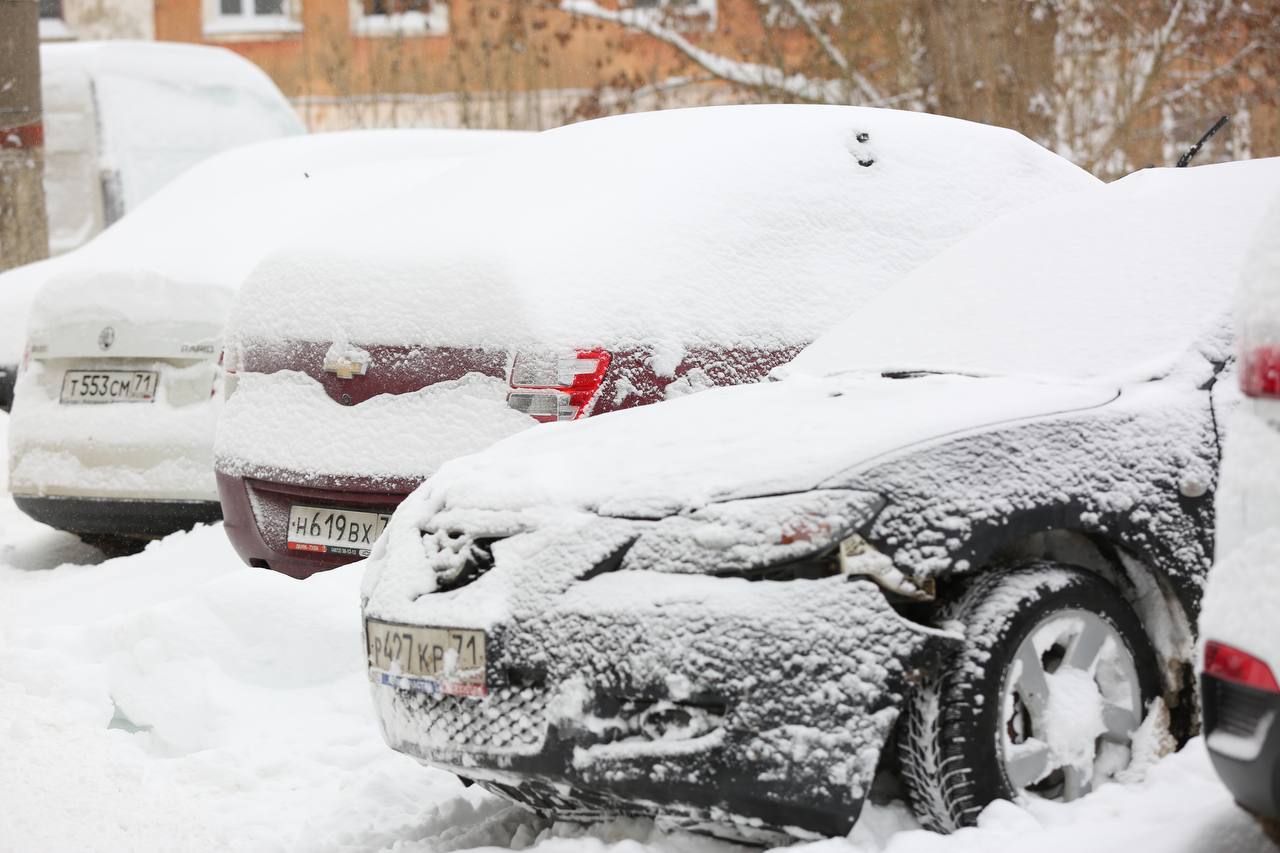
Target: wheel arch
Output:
[{"x": 1165, "y": 607}]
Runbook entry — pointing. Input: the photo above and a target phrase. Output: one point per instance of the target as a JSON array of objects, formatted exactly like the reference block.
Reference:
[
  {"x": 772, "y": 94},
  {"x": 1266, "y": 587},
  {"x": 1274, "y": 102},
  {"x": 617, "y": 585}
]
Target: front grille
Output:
[
  {"x": 456, "y": 558},
  {"x": 508, "y": 718},
  {"x": 1237, "y": 710}
]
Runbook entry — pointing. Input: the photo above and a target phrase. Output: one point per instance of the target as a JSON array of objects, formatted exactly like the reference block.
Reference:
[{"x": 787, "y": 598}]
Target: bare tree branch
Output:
[
  {"x": 743, "y": 73},
  {"x": 1138, "y": 93},
  {"x": 869, "y": 92}
]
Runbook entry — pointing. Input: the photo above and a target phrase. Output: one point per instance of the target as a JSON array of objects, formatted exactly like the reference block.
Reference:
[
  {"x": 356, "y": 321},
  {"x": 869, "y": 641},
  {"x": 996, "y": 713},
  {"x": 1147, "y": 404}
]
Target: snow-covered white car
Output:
[
  {"x": 1239, "y": 625},
  {"x": 115, "y": 408},
  {"x": 971, "y": 520},
  {"x": 595, "y": 267},
  {"x": 121, "y": 120}
]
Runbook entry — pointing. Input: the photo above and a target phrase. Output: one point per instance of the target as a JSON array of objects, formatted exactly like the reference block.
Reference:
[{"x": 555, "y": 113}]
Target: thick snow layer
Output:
[
  {"x": 732, "y": 442},
  {"x": 1259, "y": 297},
  {"x": 726, "y": 226},
  {"x": 162, "y": 280},
  {"x": 178, "y": 700},
  {"x": 392, "y": 435},
  {"x": 1242, "y": 598},
  {"x": 1112, "y": 283},
  {"x": 163, "y": 107},
  {"x": 209, "y": 226}
]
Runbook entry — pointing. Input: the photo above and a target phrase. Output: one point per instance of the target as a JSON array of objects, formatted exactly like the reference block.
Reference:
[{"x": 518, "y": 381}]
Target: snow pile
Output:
[
  {"x": 1115, "y": 283},
  {"x": 730, "y": 226}
]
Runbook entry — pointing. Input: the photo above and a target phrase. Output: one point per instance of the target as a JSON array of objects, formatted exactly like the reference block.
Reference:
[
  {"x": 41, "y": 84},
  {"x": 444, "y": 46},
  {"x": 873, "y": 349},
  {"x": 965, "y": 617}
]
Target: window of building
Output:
[
  {"x": 399, "y": 17},
  {"x": 52, "y": 25},
  {"x": 251, "y": 16}
]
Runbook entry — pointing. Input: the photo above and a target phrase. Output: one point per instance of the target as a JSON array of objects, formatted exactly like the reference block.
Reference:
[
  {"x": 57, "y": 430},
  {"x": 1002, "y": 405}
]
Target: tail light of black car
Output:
[{"x": 552, "y": 386}]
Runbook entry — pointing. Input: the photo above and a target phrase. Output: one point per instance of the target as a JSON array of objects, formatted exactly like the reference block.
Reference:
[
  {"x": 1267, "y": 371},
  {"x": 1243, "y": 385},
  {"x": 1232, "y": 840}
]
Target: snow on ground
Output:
[{"x": 178, "y": 700}]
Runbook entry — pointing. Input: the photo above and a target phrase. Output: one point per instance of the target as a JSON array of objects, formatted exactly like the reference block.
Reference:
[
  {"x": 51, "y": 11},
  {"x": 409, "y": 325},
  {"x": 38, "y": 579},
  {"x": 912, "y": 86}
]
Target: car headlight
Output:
[{"x": 803, "y": 530}]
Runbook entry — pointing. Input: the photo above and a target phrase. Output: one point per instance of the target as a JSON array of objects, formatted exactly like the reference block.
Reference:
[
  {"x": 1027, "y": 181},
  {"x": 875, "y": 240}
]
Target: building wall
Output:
[{"x": 492, "y": 63}]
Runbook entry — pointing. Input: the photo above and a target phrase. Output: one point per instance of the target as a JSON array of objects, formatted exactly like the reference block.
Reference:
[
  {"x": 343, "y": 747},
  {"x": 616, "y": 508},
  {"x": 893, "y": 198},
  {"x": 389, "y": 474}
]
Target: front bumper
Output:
[
  {"x": 796, "y": 684},
  {"x": 140, "y": 519},
  {"x": 1244, "y": 742},
  {"x": 256, "y": 519}
]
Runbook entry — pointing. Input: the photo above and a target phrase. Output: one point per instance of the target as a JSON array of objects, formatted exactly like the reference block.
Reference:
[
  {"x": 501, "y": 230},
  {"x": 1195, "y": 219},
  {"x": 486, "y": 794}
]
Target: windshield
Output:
[{"x": 1114, "y": 282}]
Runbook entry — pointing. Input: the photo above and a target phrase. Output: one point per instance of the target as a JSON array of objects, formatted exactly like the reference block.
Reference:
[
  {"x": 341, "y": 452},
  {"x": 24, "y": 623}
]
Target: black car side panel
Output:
[{"x": 1138, "y": 476}]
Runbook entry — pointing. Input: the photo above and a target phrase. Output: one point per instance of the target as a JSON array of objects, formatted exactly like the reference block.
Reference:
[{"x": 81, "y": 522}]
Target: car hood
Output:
[{"x": 737, "y": 442}]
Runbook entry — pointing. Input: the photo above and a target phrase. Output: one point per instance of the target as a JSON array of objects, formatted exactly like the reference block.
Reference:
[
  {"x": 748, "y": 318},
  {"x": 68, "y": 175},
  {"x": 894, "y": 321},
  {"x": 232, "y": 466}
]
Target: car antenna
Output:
[{"x": 1185, "y": 159}]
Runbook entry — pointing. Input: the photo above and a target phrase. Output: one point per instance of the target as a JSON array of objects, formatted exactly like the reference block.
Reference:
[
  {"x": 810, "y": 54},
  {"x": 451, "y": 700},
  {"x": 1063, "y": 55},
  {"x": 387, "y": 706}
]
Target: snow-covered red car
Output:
[
  {"x": 596, "y": 267},
  {"x": 1240, "y": 625},
  {"x": 111, "y": 436},
  {"x": 962, "y": 540}
]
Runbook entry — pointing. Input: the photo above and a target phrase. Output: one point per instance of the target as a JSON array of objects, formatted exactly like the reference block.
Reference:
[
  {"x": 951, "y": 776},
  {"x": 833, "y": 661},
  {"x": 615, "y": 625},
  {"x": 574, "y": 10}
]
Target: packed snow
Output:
[
  {"x": 152, "y": 280},
  {"x": 524, "y": 249},
  {"x": 660, "y": 230},
  {"x": 1161, "y": 249},
  {"x": 179, "y": 700},
  {"x": 836, "y": 410}
]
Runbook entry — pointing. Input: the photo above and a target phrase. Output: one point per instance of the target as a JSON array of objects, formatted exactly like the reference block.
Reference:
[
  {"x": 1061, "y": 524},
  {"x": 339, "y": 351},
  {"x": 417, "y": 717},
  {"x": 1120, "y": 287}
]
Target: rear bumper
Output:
[
  {"x": 1244, "y": 742},
  {"x": 143, "y": 519},
  {"x": 796, "y": 688},
  {"x": 256, "y": 518}
]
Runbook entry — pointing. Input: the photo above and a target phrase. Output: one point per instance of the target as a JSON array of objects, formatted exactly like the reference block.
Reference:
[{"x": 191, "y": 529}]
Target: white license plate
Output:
[
  {"x": 325, "y": 530},
  {"x": 432, "y": 660},
  {"x": 109, "y": 386}
]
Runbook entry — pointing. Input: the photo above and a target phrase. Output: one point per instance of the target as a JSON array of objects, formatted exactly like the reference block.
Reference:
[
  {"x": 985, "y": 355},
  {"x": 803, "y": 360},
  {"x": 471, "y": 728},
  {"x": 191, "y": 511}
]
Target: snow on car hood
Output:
[
  {"x": 733, "y": 442},
  {"x": 662, "y": 230}
]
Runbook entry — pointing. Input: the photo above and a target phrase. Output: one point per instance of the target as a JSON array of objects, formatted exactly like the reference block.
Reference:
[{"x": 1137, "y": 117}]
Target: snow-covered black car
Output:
[{"x": 961, "y": 542}]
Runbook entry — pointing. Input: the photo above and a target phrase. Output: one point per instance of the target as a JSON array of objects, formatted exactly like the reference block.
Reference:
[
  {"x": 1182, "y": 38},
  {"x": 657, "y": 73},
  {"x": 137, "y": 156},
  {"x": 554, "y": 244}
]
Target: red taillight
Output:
[
  {"x": 1260, "y": 372},
  {"x": 1231, "y": 664},
  {"x": 556, "y": 387}
]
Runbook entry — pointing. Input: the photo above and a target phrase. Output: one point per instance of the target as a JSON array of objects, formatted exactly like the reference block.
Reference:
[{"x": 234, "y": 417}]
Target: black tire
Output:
[
  {"x": 950, "y": 758},
  {"x": 114, "y": 546}
]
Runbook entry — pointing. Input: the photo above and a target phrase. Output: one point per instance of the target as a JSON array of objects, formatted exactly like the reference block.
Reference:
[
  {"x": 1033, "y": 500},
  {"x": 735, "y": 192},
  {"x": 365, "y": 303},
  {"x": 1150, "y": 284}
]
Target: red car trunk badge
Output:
[{"x": 344, "y": 367}]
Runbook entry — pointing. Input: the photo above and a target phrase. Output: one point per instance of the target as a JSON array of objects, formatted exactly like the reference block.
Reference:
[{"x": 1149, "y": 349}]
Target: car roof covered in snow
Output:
[
  {"x": 746, "y": 226},
  {"x": 176, "y": 64},
  {"x": 1118, "y": 283},
  {"x": 204, "y": 232}
]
